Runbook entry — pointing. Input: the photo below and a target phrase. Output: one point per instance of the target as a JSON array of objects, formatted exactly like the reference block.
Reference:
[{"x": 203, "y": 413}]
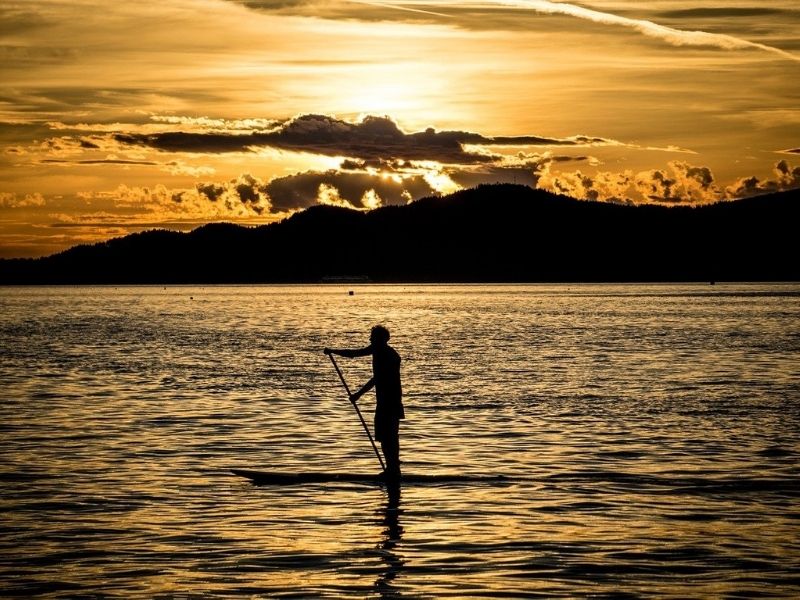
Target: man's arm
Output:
[
  {"x": 350, "y": 353},
  {"x": 367, "y": 387}
]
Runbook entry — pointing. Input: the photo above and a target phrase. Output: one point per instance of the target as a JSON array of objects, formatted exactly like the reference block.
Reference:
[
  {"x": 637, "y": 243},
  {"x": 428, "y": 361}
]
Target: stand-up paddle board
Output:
[{"x": 283, "y": 478}]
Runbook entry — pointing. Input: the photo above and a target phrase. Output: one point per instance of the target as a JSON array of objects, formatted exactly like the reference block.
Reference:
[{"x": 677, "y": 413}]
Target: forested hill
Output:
[{"x": 490, "y": 233}]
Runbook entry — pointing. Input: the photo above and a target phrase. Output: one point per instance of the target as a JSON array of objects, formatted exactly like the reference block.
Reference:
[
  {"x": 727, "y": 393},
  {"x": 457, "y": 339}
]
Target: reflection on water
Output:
[
  {"x": 652, "y": 434},
  {"x": 392, "y": 535}
]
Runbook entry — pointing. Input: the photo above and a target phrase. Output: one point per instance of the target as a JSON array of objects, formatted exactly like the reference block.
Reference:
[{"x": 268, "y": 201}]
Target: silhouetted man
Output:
[{"x": 388, "y": 391}]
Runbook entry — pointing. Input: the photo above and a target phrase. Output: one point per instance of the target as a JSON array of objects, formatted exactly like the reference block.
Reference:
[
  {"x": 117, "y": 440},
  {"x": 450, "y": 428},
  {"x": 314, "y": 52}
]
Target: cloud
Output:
[
  {"x": 602, "y": 186},
  {"x": 358, "y": 189},
  {"x": 99, "y": 161},
  {"x": 368, "y": 184},
  {"x": 679, "y": 183},
  {"x": 524, "y": 169},
  {"x": 160, "y": 123},
  {"x": 246, "y": 191},
  {"x": 491, "y": 14},
  {"x": 70, "y": 147},
  {"x": 682, "y": 183},
  {"x": 670, "y": 35},
  {"x": 363, "y": 10},
  {"x": 248, "y": 196},
  {"x": 177, "y": 167},
  {"x": 721, "y": 12},
  {"x": 61, "y": 146},
  {"x": 9, "y": 200},
  {"x": 786, "y": 178},
  {"x": 221, "y": 125},
  {"x": 372, "y": 138},
  {"x": 73, "y": 151},
  {"x": 273, "y": 4},
  {"x": 241, "y": 198},
  {"x": 363, "y": 187},
  {"x": 329, "y": 195}
]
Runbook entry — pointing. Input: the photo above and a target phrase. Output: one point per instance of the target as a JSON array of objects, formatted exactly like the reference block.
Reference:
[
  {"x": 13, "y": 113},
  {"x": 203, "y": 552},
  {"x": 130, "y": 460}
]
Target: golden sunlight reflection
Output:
[{"x": 614, "y": 411}]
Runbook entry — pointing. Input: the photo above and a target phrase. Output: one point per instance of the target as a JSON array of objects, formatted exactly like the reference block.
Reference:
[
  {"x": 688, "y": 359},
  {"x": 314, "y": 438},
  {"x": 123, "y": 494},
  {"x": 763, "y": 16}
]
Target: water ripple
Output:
[{"x": 650, "y": 435}]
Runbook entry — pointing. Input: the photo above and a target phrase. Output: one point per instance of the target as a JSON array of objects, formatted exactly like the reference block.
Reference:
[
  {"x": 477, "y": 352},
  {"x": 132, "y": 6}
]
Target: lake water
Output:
[{"x": 651, "y": 435}]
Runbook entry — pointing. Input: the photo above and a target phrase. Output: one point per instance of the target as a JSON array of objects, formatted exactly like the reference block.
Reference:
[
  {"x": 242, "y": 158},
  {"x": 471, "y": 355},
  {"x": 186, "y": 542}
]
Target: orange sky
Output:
[{"x": 117, "y": 117}]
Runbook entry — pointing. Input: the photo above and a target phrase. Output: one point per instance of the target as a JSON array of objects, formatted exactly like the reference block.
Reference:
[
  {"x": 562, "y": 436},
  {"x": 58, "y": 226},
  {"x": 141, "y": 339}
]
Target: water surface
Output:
[{"x": 651, "y": 434}]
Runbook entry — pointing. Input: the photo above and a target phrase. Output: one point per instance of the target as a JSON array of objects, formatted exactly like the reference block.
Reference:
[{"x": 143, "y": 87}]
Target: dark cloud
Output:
[
  {"x": 246, "y": 190},
  {"x": 104, "y": 161},
  {"x": 380, "y": 164},
  {"x": 524, "y": 175},
  {"x": 682, "y": 183},
  {"x": 527, "y": 172},
  {"x": 18, "y": 19},
  {"x": 338, "y": 10},
  {"x": 786, "y": 178},
  {"x": 373, "y": 138},
  {"x": 658, "y": 186},
  {"x": 702, "y": 175},
  {"x": 211, "y": 191},
  {"x": 271, "y": 5},
  {"x": 249, "y": 189},
  {"x": 303, "y": 189}
]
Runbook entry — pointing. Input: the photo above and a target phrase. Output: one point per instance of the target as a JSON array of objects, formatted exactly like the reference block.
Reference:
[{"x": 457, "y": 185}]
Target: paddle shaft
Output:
[{"x": 364, "y": 423}]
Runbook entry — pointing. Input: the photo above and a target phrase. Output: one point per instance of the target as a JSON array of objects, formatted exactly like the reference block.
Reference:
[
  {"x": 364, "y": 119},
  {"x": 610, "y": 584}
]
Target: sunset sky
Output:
[{"x": 119, "y": 117}]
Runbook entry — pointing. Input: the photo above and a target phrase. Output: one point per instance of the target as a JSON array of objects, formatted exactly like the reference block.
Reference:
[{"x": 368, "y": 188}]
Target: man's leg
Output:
[{"x": 390, "y": 444}]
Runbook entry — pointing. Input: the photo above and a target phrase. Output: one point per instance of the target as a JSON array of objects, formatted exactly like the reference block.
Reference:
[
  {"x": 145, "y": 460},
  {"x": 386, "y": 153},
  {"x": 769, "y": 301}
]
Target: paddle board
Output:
[{"x": 286, "y": 478}]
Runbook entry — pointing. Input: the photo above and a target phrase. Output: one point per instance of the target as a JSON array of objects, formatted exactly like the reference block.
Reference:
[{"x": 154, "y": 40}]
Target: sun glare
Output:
[{"x": 384, "y": 98}]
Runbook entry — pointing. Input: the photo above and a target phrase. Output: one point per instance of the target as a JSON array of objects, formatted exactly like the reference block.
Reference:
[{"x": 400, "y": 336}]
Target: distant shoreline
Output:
[{"x": 721, "y": 288}]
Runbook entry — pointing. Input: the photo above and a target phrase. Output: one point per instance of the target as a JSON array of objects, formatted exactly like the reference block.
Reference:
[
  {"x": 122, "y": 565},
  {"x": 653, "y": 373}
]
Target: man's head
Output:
[{"x": 379, "y": 335}]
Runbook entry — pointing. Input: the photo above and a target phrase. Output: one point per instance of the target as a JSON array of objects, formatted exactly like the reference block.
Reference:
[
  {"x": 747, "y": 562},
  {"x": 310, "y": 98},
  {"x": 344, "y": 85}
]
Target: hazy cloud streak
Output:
[
  {"x": 399, "y": 7},
  {"x": 676, "y": 37}
]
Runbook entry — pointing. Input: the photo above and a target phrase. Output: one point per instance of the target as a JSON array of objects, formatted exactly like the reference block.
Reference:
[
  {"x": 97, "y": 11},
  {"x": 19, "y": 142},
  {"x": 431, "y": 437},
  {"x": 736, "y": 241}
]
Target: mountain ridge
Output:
[{"x": 491, "y": 233}]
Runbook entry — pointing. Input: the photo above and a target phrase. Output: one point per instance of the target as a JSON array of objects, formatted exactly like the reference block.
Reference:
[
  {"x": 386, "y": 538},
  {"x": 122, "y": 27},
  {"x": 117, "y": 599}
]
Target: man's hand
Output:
[
  {"x": 354, "y": 398},
  {"x": 327, "y": 350}
]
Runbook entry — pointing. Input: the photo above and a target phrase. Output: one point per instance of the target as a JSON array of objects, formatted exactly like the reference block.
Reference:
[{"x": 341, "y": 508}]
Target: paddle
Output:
[{"x": 369, "y": 435}]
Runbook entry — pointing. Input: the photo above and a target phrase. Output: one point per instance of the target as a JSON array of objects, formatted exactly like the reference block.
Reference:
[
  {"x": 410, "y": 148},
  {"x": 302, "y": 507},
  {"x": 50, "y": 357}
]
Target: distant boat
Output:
[{"x": 345, "y": 279}]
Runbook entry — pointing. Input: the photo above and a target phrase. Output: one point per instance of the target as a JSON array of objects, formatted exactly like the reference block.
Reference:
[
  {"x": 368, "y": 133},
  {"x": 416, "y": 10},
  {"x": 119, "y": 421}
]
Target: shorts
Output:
[{"x": 387, "y": 428}]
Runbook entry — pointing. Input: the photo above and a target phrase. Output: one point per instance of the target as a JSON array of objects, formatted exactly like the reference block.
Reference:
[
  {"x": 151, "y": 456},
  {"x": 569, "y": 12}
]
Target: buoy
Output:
[{"x": 351, "y": 293}]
